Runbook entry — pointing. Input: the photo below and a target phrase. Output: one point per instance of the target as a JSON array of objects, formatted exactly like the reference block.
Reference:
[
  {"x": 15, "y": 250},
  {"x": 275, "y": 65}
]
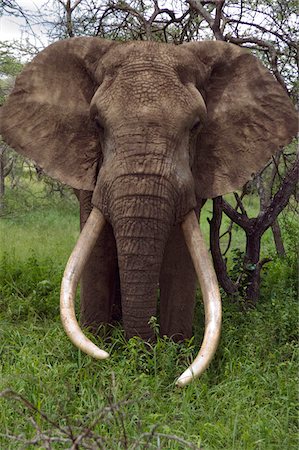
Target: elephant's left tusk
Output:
[
  {"x": 71, "y": 277},
  {"x": 211, "y": 298}
]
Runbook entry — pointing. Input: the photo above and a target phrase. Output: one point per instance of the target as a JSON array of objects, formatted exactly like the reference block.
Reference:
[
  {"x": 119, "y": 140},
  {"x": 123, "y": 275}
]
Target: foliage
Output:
[
  {"x": 9, "y": 65},
  {"x": 9, "y": 68}
]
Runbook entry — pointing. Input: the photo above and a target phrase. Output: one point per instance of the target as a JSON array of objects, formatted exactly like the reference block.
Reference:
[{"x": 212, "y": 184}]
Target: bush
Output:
[{"x": 29, "y": 288}]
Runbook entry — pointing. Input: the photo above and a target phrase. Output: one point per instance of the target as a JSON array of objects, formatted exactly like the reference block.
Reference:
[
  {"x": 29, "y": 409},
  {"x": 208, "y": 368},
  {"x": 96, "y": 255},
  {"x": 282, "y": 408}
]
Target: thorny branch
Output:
[
  {"x": 254, "y": 229},
  {"x": 219, "y": 263},
  {"x": 76, "y": 436},
  {"x": 264, "y": 29}
]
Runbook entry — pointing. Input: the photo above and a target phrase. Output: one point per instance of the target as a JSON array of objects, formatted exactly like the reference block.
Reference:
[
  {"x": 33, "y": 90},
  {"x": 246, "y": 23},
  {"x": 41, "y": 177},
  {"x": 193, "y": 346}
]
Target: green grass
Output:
[
  {"x": 246, "y": 400},
  {"x": 47, "y": 226}
]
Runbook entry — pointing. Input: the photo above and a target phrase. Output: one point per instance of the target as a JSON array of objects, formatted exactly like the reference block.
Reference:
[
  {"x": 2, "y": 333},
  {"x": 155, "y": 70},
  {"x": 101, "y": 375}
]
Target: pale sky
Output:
[
  {"x": 13, "y": 28},
  {"x": 10, "y": 28}
]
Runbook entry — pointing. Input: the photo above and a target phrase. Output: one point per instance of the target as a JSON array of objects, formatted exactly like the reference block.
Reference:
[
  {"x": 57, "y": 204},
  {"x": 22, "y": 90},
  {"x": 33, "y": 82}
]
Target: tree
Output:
[{"x": 9, "y": 68}]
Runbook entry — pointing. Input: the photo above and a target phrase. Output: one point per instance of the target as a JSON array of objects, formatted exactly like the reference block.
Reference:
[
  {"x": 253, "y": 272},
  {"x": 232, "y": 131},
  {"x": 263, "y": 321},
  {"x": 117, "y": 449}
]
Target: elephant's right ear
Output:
[
  {"x": 46, "y": 117},
  {"x": 249, "y": 117}
]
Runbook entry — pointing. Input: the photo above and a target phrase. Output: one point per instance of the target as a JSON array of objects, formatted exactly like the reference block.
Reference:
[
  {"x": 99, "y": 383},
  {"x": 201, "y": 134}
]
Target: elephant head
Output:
[{"x": 149, "y": 129}]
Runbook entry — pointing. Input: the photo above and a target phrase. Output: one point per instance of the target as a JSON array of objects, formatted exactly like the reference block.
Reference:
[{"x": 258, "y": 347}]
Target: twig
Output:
[
  {"x": 220, "y": 266},
  {"x": 172, "y": 437},
  {"x": 240, "y": 204}
]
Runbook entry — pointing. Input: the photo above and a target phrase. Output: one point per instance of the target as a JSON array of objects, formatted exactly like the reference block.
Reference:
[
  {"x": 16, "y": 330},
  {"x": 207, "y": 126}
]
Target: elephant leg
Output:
[
  {"x": 100, "y": 293},
  {"x": 177, "y": 289}
]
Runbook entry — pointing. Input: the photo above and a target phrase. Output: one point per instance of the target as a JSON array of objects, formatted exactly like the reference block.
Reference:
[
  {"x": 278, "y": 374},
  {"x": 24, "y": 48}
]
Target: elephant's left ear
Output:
[
  {"x": 249, "y": 117},
  {"x": 46, "y": 117}
]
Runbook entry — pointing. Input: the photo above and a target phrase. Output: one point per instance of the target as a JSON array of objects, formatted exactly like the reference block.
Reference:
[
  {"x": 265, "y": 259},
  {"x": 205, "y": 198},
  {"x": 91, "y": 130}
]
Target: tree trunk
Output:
[
  {"x": 278, "y": 238},
  {"x": 252, "y": 267},
  {"x": 2, "y": 177}
]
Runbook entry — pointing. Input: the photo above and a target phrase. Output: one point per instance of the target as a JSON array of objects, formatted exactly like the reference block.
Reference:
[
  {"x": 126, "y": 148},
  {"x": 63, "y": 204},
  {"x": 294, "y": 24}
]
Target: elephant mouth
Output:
[{"x": 205, "y": 273}]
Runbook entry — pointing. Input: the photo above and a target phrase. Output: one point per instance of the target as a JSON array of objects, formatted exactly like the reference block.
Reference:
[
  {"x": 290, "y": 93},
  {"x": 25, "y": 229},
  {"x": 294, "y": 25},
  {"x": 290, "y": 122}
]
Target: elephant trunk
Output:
[{"x": 141, "y": 223}]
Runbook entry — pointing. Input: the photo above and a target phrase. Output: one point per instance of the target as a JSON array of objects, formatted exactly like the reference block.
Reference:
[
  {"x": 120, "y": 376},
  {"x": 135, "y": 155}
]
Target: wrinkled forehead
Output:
[
  {"x": 144, "y": 52},
  {"x": 145, "y": 74},
  {"x": 139, "y": 57}
]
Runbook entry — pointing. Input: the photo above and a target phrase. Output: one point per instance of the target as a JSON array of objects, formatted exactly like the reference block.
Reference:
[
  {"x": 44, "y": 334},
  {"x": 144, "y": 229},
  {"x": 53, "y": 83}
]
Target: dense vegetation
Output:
[{"x": 246, "y": 400}]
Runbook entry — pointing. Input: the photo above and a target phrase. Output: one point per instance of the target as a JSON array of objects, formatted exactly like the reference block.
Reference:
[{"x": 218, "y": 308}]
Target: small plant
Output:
[{"x": 153, "y": 322}]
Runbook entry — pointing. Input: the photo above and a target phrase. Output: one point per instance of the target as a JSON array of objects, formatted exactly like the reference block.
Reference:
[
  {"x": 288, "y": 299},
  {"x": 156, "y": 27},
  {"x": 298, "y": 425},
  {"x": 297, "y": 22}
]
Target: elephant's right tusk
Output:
[
  {"x": 71, "y": 277},
  {"x": 211, "y": 298}
]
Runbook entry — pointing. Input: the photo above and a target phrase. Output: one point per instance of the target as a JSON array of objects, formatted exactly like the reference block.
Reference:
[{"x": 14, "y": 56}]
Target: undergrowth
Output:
[{"x": 52, "y": 394}]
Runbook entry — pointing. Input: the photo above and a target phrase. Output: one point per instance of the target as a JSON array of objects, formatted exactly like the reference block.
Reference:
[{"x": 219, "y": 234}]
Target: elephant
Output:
[{"x": 143, "y": 132}]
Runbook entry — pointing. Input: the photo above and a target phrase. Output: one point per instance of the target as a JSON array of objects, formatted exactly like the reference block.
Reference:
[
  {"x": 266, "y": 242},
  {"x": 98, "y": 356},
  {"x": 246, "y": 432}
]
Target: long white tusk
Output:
[
  {"x": 211, "y": 298},
  {"x": 71, "y": 277}
]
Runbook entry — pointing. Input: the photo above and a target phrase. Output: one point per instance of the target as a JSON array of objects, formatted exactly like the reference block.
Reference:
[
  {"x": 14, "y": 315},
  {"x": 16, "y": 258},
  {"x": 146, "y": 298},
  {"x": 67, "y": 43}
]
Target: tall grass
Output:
[{"x": 246, "y": 400}]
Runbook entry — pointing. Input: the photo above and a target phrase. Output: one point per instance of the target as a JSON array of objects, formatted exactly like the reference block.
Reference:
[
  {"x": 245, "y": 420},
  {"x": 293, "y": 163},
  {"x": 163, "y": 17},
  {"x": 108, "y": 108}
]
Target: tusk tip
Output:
[
  {"x": 100, "y": 354},
  {"x": 185, "y": 378}
]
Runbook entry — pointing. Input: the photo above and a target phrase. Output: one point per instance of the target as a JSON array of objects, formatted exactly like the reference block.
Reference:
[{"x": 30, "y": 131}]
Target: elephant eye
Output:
[
  {"x": 196, "y": 126},
  {"x": 98, "y": 123}
]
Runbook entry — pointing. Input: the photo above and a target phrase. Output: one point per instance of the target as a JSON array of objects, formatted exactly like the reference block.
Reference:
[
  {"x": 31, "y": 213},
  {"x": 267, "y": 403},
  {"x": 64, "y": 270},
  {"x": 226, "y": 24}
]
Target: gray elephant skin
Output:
[{"x": 143, "y": 132}]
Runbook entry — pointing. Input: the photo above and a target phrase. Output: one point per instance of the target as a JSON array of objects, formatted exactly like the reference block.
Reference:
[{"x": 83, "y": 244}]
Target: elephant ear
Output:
[
  {"x": 249, "y": 117},
  {"x": 46, "y": 117}
]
